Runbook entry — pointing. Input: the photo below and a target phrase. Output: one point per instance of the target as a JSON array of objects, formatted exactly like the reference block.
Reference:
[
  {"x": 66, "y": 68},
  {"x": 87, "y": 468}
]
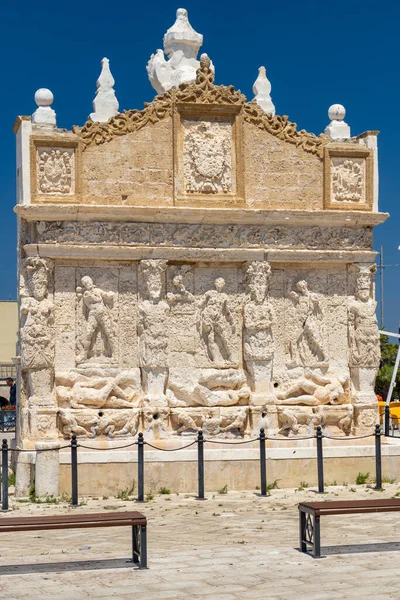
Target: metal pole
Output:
[
  {"x": 200, "y": 465},
  {"x": 381, "y": 286},
  {"x": 386, "y": 417},
  {"x": 4, "y": 475},
  {"x": 378, "y": 458},
  {"x": 263, "y": 464},
  {"x": 393, "y": 380},
  {"x": 140, "y": 497},
  {"x": 74, "y": 471},
  {"x": 320, "y": 461}
]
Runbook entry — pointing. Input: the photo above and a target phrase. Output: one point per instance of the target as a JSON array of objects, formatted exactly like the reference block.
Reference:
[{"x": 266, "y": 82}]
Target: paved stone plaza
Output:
[{"x": 232, "y": 546}]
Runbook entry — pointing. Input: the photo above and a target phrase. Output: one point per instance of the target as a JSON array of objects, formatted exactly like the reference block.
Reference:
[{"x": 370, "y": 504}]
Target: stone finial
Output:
[
  {"x": 105, "y": 104},
  {"x": 262, "y": 91},
  {"x": 44, "y": 114},
  {"x": 181, "y": 45},
  {"x": 337, "y": 128}
]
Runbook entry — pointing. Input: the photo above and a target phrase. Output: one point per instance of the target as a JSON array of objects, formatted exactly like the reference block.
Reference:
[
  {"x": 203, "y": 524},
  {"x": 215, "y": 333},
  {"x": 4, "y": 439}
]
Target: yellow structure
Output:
[{"x": 8, "y": 330}]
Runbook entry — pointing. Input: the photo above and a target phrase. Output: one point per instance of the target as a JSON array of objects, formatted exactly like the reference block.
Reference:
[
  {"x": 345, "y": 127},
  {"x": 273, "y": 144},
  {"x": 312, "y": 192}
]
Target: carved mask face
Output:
[
  {"x": 362, "y": 294},
  {"x": 87, "y": 282},
  {"x": 37, "y": 281},
  {"x": 301, "y": 287}
]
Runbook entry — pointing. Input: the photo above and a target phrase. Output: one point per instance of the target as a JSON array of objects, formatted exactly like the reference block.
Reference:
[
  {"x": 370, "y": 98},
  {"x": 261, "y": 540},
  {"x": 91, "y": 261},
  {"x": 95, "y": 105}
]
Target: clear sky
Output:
[{"x": 317, "y": 53}]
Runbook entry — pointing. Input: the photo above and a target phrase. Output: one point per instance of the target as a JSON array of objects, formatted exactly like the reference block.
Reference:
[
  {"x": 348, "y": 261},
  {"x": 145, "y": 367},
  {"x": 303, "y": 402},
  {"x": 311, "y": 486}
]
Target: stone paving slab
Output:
[{"x": 232, "y": 546}]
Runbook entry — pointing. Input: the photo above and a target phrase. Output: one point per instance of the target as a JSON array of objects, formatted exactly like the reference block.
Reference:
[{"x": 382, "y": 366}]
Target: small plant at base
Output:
[
  {"x": 223, "y": 490},
  {"x": 164, "y": 490},
  {"x": 149, "y": 497},
  {"x": 362, "y": 478},
  {"x": 353, "y": 489},
  {"x": 125, "y": 494},
  {"x": 388, "y": 480},
  {"x": 303, "y": 485},
  {"x": 273, "y": 486}
]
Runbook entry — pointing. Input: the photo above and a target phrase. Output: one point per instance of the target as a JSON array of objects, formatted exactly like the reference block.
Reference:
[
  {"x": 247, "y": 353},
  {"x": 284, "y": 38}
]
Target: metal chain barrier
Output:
[{"x": 200, "y": 441}]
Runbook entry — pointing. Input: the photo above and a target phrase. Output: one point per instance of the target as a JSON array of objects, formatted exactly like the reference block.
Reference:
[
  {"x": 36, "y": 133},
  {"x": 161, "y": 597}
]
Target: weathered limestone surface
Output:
[{"x": 197, "y": 264}]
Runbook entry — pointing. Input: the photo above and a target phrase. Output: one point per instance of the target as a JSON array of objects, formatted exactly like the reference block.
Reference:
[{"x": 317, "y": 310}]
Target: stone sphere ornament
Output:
[
  {"x": 336, "y": 112},
  {"x": 44, "y": 97}
]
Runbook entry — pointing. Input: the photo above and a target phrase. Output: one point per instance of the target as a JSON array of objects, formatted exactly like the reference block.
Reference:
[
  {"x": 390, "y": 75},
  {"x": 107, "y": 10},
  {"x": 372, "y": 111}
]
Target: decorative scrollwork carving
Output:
[
  {"x": 201, "y": 91},
  {"x": 284, "y": 129}
]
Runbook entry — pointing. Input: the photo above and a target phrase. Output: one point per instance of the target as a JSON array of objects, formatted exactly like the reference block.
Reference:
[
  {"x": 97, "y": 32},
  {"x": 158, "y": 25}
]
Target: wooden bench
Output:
[
  {"x": 133, "y": 519},
  {"x": 310, "y": 514}
]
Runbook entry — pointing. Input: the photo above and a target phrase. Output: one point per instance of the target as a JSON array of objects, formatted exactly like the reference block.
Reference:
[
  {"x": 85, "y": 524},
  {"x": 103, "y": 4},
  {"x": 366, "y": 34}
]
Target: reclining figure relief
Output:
[{"x": 316, "y": 389}]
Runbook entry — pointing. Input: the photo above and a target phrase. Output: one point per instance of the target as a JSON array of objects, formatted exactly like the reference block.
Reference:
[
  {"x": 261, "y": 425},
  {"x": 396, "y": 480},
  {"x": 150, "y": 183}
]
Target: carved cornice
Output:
[{"x": 202, "y": 91}]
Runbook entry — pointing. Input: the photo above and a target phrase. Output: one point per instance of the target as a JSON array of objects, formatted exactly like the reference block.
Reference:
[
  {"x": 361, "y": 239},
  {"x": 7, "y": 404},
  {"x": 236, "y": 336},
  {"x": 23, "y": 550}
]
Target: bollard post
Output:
[
  {"x": 140, "y": 497},
  {"x": 4, "y": 475},
  {"x": 200, "y": 465},
  {"x": 378, "y": 457},
  {"x": 263, "y": 464},
  {"x": 74, "y": 471},
  {"x": 387, "y": 420},
  {"x": 320, "y": 461}
]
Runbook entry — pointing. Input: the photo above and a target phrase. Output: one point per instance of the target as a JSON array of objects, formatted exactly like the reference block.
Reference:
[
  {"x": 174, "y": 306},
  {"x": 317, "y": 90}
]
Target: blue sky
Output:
[{"x": 316, "y": 53}]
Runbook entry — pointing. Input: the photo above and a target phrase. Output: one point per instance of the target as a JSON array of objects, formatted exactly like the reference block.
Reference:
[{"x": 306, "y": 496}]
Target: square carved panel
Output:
[
  {"x": 348, "y": 172},
  {"x": 55, "y": 168},
  {"x": 208, "y": 161}
]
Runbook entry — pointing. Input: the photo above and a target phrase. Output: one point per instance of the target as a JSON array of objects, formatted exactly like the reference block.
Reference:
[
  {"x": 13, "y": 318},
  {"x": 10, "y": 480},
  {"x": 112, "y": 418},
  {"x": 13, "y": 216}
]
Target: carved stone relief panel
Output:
[
  {"x": 37, "y": 314},
  {"x": 347, "y": 179},
  {"x": 55, "y": 171},
  {"x": 153, "y": 329},
  {"x": 97, "y": 315},
  {"x": 258, "y": 317},
  {"x": 207, "y": 157},
  {"x": 218, "y": 316},
  {"x": 204, "y": 236}
]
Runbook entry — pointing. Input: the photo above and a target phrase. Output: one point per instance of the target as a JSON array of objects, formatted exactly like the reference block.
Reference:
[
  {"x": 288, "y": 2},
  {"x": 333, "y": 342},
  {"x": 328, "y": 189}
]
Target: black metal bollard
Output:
[
  {"x": 4, "y": 475},
  {"x": 320, "y": 461},
  {"x": 74, "y": 471},
  {"x": 263, "y": 464},
  {"x": 378, "y": 458},
  {"x": 387, "y": 420},
  {"x": 140, "y": 497},
  {"x": 200, "y": 465}
]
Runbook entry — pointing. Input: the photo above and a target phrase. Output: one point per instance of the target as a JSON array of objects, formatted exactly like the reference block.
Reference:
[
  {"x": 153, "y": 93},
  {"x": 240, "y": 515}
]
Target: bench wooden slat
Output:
[
  {"x": 48, "y": 526},
  {"x": 75, "y": 518},
  {"x": 354, "y": 504}
]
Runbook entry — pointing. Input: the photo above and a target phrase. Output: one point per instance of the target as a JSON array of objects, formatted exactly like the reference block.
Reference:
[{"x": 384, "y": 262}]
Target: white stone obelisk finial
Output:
[
  {"x": 262, "y": 92},
  {"x": 105, "y": 104},
  {"x": 44, "y": 114},
  {"x": 337, "y": 128}
]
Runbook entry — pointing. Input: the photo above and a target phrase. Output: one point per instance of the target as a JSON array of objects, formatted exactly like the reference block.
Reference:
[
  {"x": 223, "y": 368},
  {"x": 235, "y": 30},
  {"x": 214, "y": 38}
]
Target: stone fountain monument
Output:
[{"x": 198, "y": 264}]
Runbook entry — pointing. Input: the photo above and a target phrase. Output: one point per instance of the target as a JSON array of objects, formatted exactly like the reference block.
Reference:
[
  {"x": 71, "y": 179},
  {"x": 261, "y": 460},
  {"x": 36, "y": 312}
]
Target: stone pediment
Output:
[{"x": 201, "y": 92}]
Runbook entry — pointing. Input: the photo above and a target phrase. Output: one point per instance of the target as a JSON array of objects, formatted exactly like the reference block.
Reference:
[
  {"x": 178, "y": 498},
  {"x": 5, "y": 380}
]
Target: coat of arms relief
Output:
[{"x": 207, "y": 161}]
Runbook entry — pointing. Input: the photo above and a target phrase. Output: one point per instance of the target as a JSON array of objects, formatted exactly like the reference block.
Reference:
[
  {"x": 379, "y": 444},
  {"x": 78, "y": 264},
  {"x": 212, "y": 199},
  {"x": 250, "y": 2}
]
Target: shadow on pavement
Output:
[
  {"x": 76, "y": 565},
  {"x": 361, "y": 548}
]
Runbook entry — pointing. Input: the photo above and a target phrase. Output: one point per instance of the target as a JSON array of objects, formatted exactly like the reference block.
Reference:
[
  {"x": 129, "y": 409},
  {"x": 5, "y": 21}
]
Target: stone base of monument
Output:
[{"x": 289, "y": 464}]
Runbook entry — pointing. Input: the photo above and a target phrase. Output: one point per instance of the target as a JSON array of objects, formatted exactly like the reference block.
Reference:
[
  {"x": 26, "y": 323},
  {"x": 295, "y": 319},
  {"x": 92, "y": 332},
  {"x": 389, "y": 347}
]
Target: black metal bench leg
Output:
[
  {"x": 302, "y": 526},
  {"x": 135, "y": 544},
  {"x": 143, "y": 547},
  {"x": 317, "y": 537}
]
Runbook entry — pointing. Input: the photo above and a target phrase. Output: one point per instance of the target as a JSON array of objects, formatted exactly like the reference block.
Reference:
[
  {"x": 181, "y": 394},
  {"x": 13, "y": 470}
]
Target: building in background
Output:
[{"x": 8, "y": 342}]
